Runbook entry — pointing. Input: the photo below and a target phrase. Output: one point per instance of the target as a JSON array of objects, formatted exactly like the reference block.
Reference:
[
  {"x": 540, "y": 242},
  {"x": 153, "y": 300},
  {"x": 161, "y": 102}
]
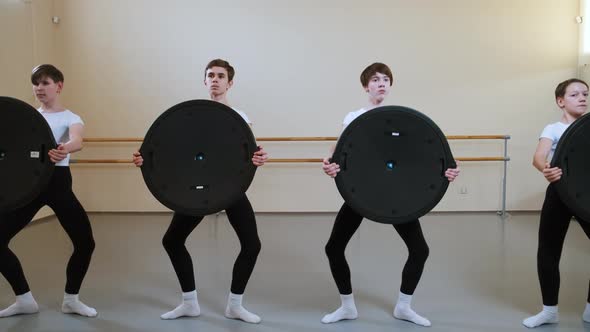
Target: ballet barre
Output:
[{"x": 505, "y": 158}]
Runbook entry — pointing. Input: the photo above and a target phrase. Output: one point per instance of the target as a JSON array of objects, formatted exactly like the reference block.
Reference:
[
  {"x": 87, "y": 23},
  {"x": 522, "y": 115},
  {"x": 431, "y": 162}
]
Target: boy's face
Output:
[
  {"x": 217, "y": 81},
  {"x": 46, "y": 90},
  {"x": 574, "y": 102},
  {"x": 378, "y": 87}
]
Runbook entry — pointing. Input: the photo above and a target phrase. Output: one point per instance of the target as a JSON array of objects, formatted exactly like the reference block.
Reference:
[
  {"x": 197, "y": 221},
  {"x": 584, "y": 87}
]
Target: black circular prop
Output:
[
  {"x": 25, "y": 139},
  {"x": 198, "y": 157},
  {"x": 392, "y": 164},
  {"x": 572, "y": 155}
]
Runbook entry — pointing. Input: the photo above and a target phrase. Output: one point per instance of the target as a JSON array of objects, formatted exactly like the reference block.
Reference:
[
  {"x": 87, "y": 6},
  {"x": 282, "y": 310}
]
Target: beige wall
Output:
[{"x": 475, "y": 67}]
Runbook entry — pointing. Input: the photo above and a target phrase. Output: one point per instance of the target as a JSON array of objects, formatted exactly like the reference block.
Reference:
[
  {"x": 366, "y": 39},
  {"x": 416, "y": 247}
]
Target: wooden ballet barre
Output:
[
  {"x": 101, "y": 161},
  {"x": 463, "y": 137},
  {"x": 288, "y": 139},
  {"x": 318, "y": 160},
  {"x": 113, "y": 140},
  {"x": 503, "y": 159},
  {"x": 332, "y": 138},
  {"x": 277, "y": 160},
  {"x": 296, "y": 139},
  {"x": 483, "y": 159}
]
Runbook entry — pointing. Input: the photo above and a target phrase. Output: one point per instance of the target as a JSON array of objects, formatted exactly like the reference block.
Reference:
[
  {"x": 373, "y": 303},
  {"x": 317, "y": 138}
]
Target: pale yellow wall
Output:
[{"x": 475, "y": 67}]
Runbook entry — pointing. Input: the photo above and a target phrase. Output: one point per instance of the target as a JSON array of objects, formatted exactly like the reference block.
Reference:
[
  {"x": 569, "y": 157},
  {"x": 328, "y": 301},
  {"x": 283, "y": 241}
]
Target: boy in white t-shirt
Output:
[
  {"x": 219, "y": 76},
  {"x": 67, "y": 129},
  {"x": 572, "y": 98},
  {"x": 376, "y": 80}
]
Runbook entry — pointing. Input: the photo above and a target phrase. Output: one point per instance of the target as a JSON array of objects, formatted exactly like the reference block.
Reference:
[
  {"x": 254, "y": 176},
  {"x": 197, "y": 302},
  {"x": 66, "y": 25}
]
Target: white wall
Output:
[{"x": 475, "y": 67}]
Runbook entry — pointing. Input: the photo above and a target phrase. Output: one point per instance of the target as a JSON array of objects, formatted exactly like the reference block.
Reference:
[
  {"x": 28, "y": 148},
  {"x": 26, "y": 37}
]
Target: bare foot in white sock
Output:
[
  {"x": 346, "y": 311},
  {"x": 73, "y": 305},
  {"x": 403, "y": 310},
  {"x": 548, "y": 315},
  {"x": 235, "y": 310},
  {"x": 25, "y": 304},
  {"x": 188, "y": 308}
]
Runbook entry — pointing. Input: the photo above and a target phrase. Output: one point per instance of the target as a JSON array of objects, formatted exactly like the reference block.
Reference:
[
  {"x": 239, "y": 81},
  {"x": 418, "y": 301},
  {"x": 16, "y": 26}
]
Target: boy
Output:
[
  {"x": 67, "y": 129},
  {"x": 376, "y": 79},
  {"x": 219, "y": 76},
  {"x": 571, "y": 96}
]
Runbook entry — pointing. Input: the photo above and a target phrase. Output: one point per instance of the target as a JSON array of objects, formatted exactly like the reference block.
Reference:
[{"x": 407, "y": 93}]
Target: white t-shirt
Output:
[
  {"x": 243, "y": 115},
  {"x": 351, "y": 116},
  {"x": 60, "y": 123},
  {"x": 553, "y": 132}
]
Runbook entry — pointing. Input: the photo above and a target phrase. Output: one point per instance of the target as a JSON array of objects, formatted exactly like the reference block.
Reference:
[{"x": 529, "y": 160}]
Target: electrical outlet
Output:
[{"x": 463, "y": 190}]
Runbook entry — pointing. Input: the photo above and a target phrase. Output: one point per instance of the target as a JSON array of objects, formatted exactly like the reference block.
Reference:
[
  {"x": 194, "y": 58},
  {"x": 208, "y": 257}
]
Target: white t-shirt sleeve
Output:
[
  {"x": 351, "y": 117},
  {"x": 347, "y": 119},
  {"x": 553, "y": 132},
  {"x": 244, "y": 116},
  {"x": 74, "y": 119},
  {"x": 548, "y": 132}
]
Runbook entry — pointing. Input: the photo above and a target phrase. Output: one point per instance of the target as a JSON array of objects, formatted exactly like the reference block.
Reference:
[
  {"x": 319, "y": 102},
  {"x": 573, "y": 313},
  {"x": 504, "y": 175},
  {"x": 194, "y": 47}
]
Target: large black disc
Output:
[
  {"x": 392, "y": 163},
  {"x": 25, "y": 139},
  {"x": 198, "y": 157},
  {"x": 572, "y": 155}
]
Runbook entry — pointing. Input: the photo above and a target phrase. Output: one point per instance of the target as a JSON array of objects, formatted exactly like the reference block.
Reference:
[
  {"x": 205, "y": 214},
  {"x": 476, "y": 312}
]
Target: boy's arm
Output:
[
  {"x": 540, "y": 162},
  {"x": 76, "y": 133},
  {"x": 540, "y": 157}
]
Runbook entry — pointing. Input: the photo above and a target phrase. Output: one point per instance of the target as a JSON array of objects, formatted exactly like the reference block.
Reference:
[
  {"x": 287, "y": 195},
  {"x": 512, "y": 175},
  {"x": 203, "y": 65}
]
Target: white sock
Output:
[
  {"x": 25, "y": 304},
  {"x": 547, "y": 316},
  {"x": 403, "y": 310},
  {"x": 189, "y": 307},
  {"x": 586, "y": 316},
  {"x": 346, "y": 311},
  {"x": 235, "y": 310},
  {"x": 73, "y": 305}
]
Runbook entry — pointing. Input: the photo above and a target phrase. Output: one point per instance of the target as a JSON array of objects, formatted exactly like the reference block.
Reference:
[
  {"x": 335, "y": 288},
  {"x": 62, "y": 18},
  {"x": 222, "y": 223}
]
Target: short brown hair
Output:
[
  {"x": 373, "y": 69},
  {"x": 561, "y": 87},
  {"x": 45, "y": 70},
  {"x": 224, "y": 64}
]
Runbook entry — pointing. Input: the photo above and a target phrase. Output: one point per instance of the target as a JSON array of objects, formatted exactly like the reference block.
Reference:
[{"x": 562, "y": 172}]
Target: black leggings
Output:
[
  {"x": 346, "y": 224},
  {"x": 72, "y": 217},
  {"x": 555, "y": 220},
  {"x": 241, "y": 217}
]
